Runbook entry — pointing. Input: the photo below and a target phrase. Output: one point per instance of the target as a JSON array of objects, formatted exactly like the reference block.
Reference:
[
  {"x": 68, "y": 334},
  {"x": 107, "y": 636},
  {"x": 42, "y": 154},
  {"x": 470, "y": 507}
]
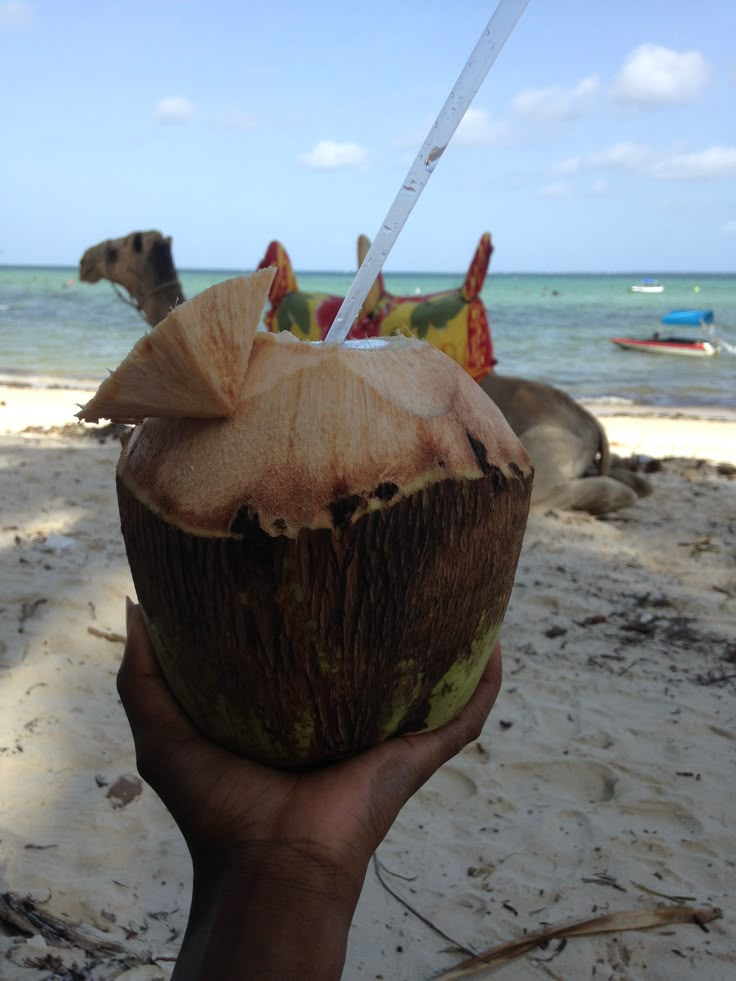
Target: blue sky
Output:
[{"x": 603, "y": 139}]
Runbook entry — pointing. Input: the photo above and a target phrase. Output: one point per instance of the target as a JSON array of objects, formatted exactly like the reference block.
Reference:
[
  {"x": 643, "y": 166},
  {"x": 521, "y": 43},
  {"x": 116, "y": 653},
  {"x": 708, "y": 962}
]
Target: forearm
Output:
[{"x": 262, "y": 924}]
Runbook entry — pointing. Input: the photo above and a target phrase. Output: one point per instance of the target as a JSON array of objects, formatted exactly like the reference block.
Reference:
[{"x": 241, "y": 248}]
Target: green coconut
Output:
[{"x": 330, "y": 564}]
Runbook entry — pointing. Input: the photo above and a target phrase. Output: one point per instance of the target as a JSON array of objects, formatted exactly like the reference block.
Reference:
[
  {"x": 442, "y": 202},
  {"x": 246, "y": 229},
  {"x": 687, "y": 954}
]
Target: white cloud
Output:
[
  {"x": 653, "y": 75},
  {"x": 15, "y": 14},
  {"x": 555, "y": 104},
  {"x": 566, "y": 168},
  {"x": 478, "y": 129},
  {"x": 329, "y": 155},
  {"x": 729, "y": 227},
  {"x": 716, "y": 161},
  {"x": 557, "y": 190},
  {"x": 618, "y": 156},
  {"x": 175, "y": 109},
  {"x": 235, "y": 119},
  {"x": 599, "y": 188}
]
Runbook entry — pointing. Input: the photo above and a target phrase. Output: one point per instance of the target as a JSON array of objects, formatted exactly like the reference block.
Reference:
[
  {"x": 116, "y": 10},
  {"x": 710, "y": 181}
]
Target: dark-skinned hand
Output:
[{"x": 279, "y": 856}]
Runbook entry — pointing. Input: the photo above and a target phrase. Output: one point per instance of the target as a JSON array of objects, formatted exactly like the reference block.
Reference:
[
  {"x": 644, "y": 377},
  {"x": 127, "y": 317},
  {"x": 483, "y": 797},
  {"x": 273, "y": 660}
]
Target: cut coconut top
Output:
[
  {"x": 323, "y": 434},
  {"x": 193, "y": 363}
]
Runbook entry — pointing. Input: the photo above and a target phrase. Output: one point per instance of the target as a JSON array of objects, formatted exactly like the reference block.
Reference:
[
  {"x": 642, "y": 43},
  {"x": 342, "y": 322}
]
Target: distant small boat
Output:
[
  {"x": 704, "y": 346},
  {"x": 647, "y": 286}
]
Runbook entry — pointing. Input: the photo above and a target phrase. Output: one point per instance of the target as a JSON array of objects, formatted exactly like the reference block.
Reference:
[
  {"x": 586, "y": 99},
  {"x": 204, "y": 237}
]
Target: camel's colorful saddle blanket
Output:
[{"x": 455, "y": 321}]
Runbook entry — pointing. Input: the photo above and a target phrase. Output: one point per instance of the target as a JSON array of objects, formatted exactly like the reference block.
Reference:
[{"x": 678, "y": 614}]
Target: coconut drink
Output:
[{"x": 323, "y": 537}]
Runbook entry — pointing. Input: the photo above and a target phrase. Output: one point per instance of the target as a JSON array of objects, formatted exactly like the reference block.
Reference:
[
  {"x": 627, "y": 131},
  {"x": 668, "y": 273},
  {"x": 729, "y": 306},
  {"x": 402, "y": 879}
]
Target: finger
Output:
[
  {"x": 152, "y": 711},
  {"x": 409, "y": 761}
]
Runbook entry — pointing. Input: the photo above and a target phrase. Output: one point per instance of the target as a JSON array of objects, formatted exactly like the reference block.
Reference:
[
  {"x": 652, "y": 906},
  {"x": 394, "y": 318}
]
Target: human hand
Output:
[{"x": 277, "y": 836}]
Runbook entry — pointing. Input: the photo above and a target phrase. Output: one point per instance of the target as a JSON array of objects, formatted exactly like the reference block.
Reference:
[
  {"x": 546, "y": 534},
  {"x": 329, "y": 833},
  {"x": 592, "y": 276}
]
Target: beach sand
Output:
[{"x": 603, "y": 781}]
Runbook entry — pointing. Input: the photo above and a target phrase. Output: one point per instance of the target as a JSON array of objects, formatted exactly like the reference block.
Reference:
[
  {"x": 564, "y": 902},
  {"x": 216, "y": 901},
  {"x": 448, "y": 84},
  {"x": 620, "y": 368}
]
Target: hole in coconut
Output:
[
  {"x": 498, "y": 479},
  {"x": 343, "y": 509},
  {"x": 386, "y": 490},
  {"x": 243, "y": 521},
  {"x": 479, "y": 451}
]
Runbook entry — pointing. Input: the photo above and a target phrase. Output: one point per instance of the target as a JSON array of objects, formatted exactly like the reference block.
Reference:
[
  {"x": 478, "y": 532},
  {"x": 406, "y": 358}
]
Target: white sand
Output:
[
  {"x": 606, "y": 771},
  {"x": 706, "y": 434},
  {"x": 23, "y": 407}
]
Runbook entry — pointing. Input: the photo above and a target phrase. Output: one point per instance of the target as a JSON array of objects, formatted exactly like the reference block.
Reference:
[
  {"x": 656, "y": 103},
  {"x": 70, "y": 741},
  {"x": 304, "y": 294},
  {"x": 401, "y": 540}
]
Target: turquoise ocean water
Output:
[{"x": 555, "y": 328}]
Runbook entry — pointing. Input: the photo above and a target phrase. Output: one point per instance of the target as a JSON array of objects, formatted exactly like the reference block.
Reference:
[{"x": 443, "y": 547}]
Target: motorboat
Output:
[
  {"x": 647, "y": 286},
  {"x": 704, "y": 345}
]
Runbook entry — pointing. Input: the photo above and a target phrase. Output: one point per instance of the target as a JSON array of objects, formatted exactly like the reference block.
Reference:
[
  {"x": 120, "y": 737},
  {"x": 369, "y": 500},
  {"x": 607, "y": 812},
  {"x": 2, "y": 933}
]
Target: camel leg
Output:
[
  {"x": 596, "y": 495},
  {"x": 561, "y": 458},
  {"x": 559, "y": 455},
  {"x": 640, "y": 485}
]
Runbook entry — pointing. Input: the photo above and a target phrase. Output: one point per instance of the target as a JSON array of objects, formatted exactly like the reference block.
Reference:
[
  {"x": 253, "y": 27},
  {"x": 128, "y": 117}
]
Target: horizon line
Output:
[{"x": 411, "y": 272}]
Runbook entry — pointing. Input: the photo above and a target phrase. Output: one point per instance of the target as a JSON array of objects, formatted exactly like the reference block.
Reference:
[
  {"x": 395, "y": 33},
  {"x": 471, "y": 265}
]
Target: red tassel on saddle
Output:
[{"x": 283, "y": 282}]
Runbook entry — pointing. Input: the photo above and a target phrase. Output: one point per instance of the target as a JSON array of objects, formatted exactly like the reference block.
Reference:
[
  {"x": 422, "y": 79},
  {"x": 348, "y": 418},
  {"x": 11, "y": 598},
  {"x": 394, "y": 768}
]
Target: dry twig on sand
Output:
[{"x": 644, "y": 919}]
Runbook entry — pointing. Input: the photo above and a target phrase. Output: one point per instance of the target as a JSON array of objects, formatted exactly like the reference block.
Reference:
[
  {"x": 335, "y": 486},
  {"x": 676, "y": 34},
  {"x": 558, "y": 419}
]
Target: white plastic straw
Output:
[{"x": 478, "y": 64}]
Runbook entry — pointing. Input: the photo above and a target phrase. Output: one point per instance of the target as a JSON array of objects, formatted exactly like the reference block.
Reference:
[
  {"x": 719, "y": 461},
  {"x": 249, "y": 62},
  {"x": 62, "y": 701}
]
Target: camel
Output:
[
  {"x": 143, "y": 265},
  {"x": 574, "y": 469}
]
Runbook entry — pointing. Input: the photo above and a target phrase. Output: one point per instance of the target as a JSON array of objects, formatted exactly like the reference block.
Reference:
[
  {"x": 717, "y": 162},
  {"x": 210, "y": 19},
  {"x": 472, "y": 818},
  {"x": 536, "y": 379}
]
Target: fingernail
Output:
[{"x": 129, "y": 604}]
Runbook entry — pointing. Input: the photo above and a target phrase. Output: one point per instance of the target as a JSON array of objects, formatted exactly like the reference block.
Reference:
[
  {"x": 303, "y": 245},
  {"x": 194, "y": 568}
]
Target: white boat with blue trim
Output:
[{"x": 647, "y": 286}]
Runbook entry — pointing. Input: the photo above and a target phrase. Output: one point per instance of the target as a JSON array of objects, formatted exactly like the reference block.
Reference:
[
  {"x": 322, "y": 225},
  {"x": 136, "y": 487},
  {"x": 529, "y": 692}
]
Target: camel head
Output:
[{"x": 143, "y": 265}]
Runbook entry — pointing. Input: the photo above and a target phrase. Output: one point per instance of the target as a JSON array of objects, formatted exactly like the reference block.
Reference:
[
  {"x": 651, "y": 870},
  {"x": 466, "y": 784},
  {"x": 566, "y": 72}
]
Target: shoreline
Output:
[
  {"x": 709, "y": 413},
  {"x": 657, "y": 432},
  {"x": 605, "y": 406}
]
